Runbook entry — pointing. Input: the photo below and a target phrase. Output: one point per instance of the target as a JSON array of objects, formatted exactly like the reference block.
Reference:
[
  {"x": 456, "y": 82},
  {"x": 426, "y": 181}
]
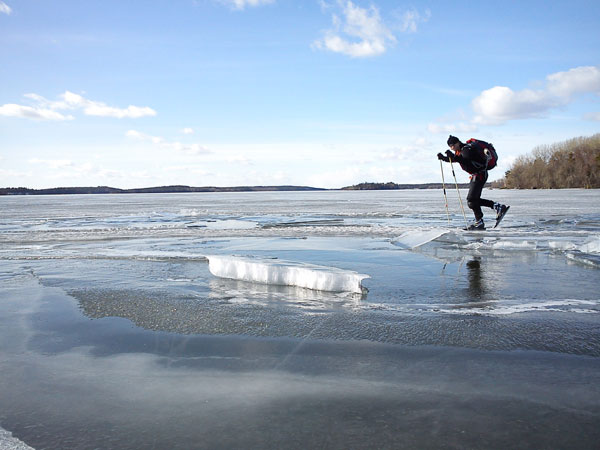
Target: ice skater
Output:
[{"x": 475, "y": 157}]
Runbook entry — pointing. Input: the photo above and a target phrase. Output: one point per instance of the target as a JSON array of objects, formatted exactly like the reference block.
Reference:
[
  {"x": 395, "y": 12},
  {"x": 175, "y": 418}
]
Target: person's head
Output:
[{"x": 454, "y": 143}]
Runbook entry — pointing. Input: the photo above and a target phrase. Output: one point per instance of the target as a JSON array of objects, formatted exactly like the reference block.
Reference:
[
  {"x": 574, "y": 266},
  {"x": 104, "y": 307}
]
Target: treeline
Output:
[
  {"x": 150, "y": 190},
  {"x": 59, "y": 190},
  {"x": 570, "y": 164},
  {"x": 392, "y": 186}
]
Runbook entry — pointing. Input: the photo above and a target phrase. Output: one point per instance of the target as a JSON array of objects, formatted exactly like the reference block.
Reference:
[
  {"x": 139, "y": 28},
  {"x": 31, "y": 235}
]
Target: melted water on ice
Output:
[{"x": 543, "y": 257}]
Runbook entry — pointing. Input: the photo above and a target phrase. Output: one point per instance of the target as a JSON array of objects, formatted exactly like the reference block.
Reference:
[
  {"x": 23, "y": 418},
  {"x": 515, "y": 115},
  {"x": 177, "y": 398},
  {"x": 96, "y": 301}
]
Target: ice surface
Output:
[
  {"x": 523, "y": 295},
  {"x": 286, "y": 273}
]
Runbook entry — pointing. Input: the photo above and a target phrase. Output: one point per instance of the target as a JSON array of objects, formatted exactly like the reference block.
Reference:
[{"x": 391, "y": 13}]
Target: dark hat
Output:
[{"x": 453, "y": 140}]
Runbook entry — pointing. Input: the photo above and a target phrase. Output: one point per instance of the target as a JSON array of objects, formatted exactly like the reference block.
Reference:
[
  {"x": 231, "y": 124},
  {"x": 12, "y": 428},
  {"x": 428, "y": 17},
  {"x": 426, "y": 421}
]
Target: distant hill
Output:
[
  {"x": 394, "y": 186},
  {"x": 150, "y": 190},
  {"x": 178, "y": 189}
]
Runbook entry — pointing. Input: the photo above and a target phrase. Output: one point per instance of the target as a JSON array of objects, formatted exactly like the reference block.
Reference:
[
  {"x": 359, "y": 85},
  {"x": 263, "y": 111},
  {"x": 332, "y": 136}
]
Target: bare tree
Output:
[{"x": 574, "y": 163}]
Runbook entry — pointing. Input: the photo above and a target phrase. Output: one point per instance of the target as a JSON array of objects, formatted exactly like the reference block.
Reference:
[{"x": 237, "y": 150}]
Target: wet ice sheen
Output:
[{"x": 464, "y": 340}]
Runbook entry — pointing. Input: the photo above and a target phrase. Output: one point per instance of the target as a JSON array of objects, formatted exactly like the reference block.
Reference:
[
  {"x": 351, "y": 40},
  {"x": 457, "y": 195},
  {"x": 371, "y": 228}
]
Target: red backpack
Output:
[{"x": 488, "y": 152}]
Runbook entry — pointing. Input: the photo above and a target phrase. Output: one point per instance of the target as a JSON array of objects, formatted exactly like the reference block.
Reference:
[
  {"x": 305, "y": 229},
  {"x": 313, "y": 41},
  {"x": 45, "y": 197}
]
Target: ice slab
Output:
[
  {"x": 415, "y": 238},
  {"x": 592, "y": 245},
  {"x": 286, "y": 273}
]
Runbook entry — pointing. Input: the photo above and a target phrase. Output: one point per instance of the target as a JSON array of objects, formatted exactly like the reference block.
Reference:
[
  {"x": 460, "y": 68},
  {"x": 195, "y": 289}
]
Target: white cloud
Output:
[
  {"x": 190, "y": 169},
  {"x": 242, "y": 4},
  {"x": 31, "y": 112},
  {"x": 593, "y": 116},
  {"x": 94, "y": 108},
  {"x": 53, "y": 163},
  {"x": 187, "y": 131},
  {"x": 337, "y": 178},
  {"x": 458, "y": 127},
  {"x": 360, "y": 33},
  {"x": 65, "y": 169},
  {"x": 410, "y": 20},
  {"x": 190, "y": 149},
  {"x": 407, "y": 172},
  {"x": 44, "y": 109},
  {"x": 500, "y": 104},
  {"x": 395, "y": 153},
  {"x": 239, "y": 159},
  {"x": 406, "y": 151},
  {"x": 20, "y": 175},
  {"x": 4, "y": 8},
  {"x": 134, "y": 134},
  {"x": 579, "y": 80}
]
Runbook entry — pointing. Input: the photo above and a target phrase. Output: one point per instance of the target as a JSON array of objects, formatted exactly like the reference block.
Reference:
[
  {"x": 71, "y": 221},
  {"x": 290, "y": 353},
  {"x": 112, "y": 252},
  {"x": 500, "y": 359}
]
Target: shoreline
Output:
[{"x": 176, "y": 189}]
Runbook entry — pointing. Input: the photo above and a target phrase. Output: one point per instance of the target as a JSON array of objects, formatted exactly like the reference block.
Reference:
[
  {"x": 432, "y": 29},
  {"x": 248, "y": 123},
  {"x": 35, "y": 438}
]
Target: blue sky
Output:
[{"x": 324, "y": 93}]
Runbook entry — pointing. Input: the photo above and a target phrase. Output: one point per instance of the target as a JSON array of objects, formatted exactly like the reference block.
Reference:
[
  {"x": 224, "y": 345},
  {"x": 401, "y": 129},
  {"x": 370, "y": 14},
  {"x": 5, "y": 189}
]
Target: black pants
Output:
[{"x": 474, "y": 199}]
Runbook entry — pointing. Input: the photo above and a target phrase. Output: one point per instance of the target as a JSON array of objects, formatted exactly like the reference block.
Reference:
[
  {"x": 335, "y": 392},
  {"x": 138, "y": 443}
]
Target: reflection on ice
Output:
[
  {"x": 290, "y": 298},
  {"x": 286, "y": 273}
]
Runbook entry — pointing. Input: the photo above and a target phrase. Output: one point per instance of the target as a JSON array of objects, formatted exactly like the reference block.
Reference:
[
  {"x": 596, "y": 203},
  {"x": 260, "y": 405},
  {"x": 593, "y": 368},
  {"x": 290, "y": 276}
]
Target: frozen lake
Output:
[{"x": 336, "y": 319}]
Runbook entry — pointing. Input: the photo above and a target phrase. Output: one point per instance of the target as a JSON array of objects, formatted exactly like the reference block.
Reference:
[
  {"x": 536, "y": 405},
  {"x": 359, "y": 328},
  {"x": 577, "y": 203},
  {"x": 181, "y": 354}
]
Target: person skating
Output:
[{"x": 474, "y": 159}]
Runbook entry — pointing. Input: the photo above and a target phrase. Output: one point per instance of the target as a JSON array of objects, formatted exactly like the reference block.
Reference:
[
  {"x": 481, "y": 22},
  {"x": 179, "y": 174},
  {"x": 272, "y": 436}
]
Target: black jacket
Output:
[{"x": 470, "y": 159}]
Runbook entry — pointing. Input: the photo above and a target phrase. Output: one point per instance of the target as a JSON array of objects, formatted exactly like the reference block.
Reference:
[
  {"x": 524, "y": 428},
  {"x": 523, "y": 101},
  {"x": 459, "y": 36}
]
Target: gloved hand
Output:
[
  {"x": 450, "y": 155},
  {"x": 441, "y": 157}
]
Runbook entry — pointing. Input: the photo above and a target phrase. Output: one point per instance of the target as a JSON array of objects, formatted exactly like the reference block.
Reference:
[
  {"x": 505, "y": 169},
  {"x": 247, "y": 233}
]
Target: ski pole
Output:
[
  {"x": 444, "y": 188},
  {"x": 457, "y": 190}
]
